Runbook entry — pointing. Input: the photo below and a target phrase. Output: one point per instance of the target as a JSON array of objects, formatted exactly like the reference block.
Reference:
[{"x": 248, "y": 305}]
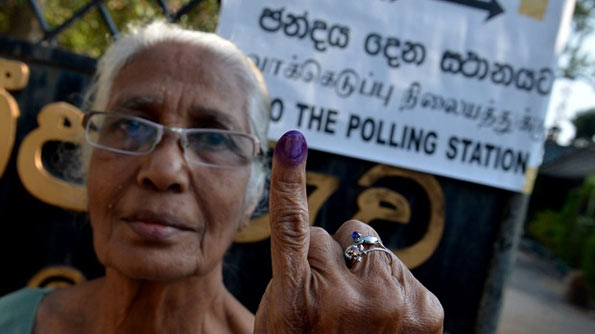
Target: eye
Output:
[
  {"x": 129, "y": 127},
  {"x": 128, "y": 131},
  {"x": 220, "y": 148},
  {"x": 212, "y": 142},
  {"x": 215, "y": 140}
]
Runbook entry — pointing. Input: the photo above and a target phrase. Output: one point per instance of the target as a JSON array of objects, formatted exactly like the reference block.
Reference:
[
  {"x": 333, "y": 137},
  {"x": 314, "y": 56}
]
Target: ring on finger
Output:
[{"x": 356, "y": 251}]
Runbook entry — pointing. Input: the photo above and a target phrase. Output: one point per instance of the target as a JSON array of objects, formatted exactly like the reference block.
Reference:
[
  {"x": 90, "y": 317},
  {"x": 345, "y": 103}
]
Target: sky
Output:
[{"x": 580, "y": 96}]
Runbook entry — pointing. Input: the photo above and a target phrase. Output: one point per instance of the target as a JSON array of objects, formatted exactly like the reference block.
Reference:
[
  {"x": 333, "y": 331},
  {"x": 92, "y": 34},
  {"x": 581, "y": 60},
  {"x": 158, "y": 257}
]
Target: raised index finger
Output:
[{"x": 288, "y": 208}]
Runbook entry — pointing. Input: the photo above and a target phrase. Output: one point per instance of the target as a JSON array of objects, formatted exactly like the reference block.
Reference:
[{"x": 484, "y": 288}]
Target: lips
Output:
[{"x": 156, "y": 226}]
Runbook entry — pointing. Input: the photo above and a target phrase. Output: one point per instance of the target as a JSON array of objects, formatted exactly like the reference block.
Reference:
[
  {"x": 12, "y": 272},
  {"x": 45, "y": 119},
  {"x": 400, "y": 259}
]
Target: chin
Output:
[
  {"x": 155, "y": 272},
  {"x": 145, "y": 263}
]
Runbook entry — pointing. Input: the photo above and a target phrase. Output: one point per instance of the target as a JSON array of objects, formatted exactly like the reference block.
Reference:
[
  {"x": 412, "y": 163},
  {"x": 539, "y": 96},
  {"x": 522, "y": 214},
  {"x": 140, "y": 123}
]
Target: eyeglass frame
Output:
[{"x": 161, "y": 129}]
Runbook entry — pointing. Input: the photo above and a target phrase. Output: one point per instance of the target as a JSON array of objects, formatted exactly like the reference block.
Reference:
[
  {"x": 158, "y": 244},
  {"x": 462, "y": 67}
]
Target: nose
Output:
[{"x": 165, "y": 169}]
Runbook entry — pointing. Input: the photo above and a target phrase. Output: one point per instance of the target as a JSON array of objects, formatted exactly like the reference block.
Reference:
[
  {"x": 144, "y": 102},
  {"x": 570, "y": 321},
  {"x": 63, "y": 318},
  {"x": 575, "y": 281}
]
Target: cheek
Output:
[
  {"x": 96, "y": 187},
  {"x": 225, "y": 201},
  {"x": 106, "y": 176}
]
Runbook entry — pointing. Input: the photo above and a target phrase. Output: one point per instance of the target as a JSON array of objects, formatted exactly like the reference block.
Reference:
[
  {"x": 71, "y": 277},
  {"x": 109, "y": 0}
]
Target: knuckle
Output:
[
  {"x": 288, "y": 202},
  {"x": 324, "y": 254},
  {"x": 290, "y": 219},
  {"x": 318, "y": 235},
  {"x": 425, "y": 313},
  {"x": 357, "y": 224},
  {"x": 290, "y": 188},
  {"x": 288, "y": 209},
  {"x": 350, "y": 226},
  {"x": 433, "y": 313},
  {"x": 406, "y": 301},
  {"x": 291, "y": 224},
  {"x": 387, "y": 303}
]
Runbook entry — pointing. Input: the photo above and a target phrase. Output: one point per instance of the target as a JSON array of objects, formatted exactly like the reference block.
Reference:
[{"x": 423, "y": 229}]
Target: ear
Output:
[
  {"x": 254, "y": 193},
  {"x": 250, "y": 205}
]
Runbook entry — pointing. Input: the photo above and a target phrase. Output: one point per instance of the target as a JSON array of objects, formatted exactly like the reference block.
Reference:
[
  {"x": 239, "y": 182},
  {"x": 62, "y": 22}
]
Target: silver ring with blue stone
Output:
[{"x": 356, "y": 251}]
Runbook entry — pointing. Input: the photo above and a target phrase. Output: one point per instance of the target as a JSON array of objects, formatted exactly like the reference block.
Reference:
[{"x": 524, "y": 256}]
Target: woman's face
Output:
[{"x": 156, "y": 216}]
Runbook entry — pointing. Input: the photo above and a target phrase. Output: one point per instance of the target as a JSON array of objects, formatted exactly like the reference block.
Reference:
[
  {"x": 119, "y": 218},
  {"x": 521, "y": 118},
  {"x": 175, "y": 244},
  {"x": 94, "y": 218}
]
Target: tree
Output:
[
  {"x": 584, "y": 122},
  {"x": 576, "y": 63},
  {"x": 89, "y": 35},
  {"x": 570, "y": 232}
]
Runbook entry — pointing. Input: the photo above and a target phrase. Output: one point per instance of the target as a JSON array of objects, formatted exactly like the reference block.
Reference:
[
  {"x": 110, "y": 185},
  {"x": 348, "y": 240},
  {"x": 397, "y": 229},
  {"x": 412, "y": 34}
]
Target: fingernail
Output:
[{"x": 291, "y": 148}]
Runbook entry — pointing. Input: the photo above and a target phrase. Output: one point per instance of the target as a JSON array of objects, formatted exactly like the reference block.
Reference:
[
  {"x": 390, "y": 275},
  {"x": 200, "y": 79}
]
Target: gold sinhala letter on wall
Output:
[
  {"x": 370, "y": 209},
  {"x": 61, "y": 122},
  {"x": 259, "y": 229},
  {"x": 13, "y": 75},
  {"x": 56, "y": 277}
]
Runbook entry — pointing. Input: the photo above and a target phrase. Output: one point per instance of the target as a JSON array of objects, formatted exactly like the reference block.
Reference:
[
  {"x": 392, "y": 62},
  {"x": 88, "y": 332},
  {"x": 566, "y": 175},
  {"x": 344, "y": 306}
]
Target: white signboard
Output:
[{"x": 457, "y": 88}]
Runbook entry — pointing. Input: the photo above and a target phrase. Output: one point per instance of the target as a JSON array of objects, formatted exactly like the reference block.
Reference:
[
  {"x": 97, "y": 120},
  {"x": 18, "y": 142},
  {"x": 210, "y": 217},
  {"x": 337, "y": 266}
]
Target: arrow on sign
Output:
[{"x": 492, "y": 6}]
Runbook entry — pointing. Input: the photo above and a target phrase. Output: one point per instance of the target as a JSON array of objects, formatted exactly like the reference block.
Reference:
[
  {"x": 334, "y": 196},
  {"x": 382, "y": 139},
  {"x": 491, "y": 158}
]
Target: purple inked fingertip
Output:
[{"x": 291, "y": 149}]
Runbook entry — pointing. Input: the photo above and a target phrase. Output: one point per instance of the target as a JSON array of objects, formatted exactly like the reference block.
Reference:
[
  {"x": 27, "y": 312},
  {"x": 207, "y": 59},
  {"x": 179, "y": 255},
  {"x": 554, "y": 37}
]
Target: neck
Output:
[{"x": 194, "y": 304}]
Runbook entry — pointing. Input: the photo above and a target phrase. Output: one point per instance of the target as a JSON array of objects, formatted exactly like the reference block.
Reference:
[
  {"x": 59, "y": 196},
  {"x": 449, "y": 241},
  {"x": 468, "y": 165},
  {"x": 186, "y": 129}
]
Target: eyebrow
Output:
[
  {"x": 208, "y": 117},
  {"x": 203, "y": 117},
  {"x": 145, "y": 104}
]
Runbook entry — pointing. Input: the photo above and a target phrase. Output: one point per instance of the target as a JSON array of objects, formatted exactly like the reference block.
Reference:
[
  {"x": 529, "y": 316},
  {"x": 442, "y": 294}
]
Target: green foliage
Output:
[
  {"x": 576, "y": 62},
  {"x": 584, "y": 122},
  {"x": 546, "y": 228},
  {"x": 90, "y": 35},
  {"x": 570, "y": 233}
]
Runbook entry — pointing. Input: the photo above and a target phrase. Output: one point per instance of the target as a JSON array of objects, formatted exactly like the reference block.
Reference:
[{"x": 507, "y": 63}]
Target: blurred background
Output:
[{"x": 551, "y": 287}]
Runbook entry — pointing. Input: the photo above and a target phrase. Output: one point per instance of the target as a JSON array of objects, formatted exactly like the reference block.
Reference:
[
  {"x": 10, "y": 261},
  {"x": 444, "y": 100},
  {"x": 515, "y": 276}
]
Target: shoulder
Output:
[
  {"x": 18, "y": 310},
  {"x": 67, "y": 309}
]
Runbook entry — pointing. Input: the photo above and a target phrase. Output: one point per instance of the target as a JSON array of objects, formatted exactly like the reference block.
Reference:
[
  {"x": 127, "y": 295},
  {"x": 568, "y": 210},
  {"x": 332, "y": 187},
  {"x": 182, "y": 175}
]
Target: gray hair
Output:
[{"x": 227, "y": 54}]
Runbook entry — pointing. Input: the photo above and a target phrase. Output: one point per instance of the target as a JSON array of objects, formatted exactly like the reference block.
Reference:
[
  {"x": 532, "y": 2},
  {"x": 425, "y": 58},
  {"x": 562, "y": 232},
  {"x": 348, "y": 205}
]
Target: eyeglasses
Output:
[{"x": 138, "y": 136}]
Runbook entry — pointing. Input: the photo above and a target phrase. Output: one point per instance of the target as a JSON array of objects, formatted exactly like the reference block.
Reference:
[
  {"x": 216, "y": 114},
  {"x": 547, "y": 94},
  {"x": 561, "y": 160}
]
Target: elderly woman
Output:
[{"x": 178, "y": 130}]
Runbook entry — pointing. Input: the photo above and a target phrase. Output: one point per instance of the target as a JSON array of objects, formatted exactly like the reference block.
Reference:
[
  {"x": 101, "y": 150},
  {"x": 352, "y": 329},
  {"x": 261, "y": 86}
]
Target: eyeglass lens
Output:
[
  {"x": 134, "y": 136},
  {"x": 121, "y": 133},
  {"x": 218, "y": 148}
]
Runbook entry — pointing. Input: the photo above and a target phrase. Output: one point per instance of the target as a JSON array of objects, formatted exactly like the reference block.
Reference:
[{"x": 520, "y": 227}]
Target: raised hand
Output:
[{"x": 313, "y": 288}]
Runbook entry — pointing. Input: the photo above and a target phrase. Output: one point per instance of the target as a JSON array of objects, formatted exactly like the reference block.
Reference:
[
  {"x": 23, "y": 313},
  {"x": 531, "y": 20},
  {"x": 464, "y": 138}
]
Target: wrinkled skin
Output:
[
  {"x": 175, "y": 285},
  {"x": 166, "y": 85},
  {"x": 172, "y": 283},
  {"x": 314, "y": 291}
]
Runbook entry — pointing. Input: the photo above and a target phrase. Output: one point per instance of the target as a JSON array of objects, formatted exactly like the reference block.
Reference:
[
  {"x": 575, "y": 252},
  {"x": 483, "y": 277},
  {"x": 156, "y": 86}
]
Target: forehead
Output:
[{"x": 181, "y": 79}]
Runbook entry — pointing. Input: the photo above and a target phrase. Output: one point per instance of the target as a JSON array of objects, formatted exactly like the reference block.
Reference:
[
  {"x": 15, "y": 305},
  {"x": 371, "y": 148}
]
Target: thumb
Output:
[{"x": 288, "y": 208}]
